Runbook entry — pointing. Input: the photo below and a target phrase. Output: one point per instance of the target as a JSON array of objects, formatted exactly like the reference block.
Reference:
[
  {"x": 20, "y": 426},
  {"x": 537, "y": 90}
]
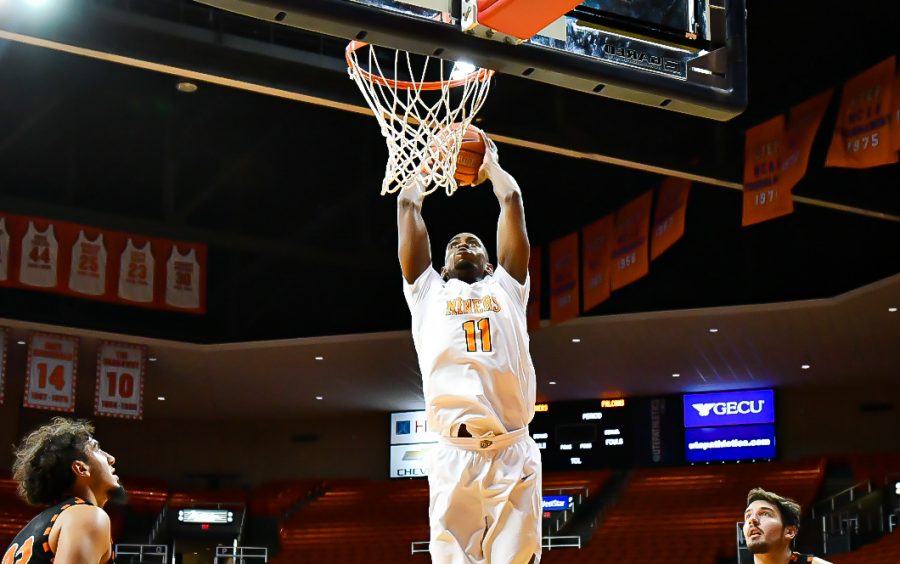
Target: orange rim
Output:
[{"x": 478, "y": 74}]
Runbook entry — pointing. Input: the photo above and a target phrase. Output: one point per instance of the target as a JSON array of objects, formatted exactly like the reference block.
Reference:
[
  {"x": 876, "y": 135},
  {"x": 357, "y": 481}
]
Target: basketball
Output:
[{"x": 471, "y": 155}]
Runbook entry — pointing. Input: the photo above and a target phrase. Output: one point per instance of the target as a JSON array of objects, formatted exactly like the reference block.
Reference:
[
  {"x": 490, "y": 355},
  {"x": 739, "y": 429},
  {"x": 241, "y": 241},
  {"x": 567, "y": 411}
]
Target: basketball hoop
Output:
[{"x": 423, "y": 121}]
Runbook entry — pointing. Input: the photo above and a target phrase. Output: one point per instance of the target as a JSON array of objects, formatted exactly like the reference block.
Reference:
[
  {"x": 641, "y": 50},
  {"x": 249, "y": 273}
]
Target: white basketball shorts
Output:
[{"x": 485, "y": 500}]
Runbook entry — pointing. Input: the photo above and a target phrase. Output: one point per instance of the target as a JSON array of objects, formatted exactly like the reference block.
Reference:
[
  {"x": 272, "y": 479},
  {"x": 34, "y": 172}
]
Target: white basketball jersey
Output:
[
  {"x": 39, "y": 257},
  {"x": 87, "y": 275},
  {"x": 472, "y": 342},
  {"x": 183, "y": 280},
  {"x": 4, "y": 250},
  {"x": 136, "y": 273}
]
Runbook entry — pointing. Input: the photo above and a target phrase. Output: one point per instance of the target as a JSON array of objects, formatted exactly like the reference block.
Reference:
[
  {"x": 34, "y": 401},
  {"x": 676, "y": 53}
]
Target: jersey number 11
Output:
[{"x": 484, "y": 328}]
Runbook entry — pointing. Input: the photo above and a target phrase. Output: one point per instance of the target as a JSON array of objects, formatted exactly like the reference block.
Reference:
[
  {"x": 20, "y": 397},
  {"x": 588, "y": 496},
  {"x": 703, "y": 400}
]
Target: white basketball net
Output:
[{"x": 423, "y": 127}]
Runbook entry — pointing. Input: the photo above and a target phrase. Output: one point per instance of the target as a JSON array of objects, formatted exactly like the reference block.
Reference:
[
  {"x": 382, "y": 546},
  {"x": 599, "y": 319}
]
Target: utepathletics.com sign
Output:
[
  {"x": 715, "y": 444},
  {"x": 747, "y": 407}
]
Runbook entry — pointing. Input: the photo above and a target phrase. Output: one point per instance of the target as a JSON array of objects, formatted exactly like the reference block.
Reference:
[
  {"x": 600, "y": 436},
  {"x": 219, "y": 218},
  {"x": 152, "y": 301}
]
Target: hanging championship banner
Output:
[
  {"x": 564, "y": 278},
  {"x": 629, "y": 257},
  {"x": 4, "y": 333},
  {"x": 120, "y": 380},
  {"x": 764, "y": 196},
  {"x": 668, "y": 216},
  {"x": 800, "y": 132},
  {"x": 862, "y": 133},
  {"x": 597, "y": 255},
  {"x": 534, "y": 294},
  {"x": 52, "y": 368}
]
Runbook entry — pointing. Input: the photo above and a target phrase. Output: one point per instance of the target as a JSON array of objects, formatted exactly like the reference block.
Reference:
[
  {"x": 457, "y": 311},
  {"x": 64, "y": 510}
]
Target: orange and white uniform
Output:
[{"x": 473, "y": 348}]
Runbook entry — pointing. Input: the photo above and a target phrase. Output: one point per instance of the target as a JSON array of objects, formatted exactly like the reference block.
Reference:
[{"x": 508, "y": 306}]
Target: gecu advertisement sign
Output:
[{"x": 747, "y": 407}]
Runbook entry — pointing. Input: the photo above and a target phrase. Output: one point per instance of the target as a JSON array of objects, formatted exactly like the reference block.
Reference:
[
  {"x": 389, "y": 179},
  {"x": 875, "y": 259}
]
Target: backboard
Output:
[{"x": 686, "y": 56}]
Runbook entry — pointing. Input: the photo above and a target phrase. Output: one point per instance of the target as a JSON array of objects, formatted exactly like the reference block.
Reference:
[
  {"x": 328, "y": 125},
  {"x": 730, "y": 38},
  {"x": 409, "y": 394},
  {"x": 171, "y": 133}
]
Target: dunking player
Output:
[
  {"x": 469, "y": 329},
  {"x": 770, "y": 524},
  {"x": 63, "y": 466}
]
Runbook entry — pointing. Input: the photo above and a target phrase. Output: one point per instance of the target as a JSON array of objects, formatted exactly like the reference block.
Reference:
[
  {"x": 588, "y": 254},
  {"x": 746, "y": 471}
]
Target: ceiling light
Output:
[
  {"x": 552, "y": 382},
  {"x": 804, "y": 366},
  {"x": 186, "y": 86},
  {"x": 152, "y": 359},
  {"x": 892, "y": 309},
  {"x": 713, "y": 330},
  {"x": 320, "y": 358},
  {"x": 676, "y": 375},
  {"x": 161, "y": 398},
  {"x": 20, "y": 342},
  {"x": 320, "y": 398},
  {"x": 576, "y": 340}
]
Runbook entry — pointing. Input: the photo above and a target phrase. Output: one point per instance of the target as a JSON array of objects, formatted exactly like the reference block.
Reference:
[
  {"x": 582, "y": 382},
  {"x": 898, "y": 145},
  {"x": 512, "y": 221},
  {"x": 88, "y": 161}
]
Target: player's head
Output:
[
  {"x": 770, "y": 522},
  {"x": 466, "y": 259},
  {"x": 62, "y": 458}
]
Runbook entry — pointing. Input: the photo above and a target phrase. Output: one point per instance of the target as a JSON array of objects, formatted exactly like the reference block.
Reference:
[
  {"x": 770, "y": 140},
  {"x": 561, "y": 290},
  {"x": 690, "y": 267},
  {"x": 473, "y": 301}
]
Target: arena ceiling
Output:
[{"x": 285, "y": 192}]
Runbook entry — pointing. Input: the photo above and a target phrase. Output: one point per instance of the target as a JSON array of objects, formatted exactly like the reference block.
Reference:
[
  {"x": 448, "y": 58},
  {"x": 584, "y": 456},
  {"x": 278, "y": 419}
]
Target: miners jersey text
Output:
[
  {"x": 472, "y": 344},
  {"x": 87, "y": 274}
]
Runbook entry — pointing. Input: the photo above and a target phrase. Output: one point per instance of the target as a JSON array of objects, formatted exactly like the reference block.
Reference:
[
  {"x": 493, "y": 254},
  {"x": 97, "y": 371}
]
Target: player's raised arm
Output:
[
  {"x": 513, "y": 248},
  {"x": 414, "y": 247}
]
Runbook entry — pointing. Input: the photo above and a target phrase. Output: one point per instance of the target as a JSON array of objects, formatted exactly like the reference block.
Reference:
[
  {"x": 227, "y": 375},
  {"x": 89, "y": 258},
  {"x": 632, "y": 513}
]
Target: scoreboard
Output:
[{"x": 583, "y": 434}]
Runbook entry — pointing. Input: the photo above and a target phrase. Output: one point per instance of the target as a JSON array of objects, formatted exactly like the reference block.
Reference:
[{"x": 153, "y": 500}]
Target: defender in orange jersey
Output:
[
  {"x": 470, "y": 332},
  {"x": 61, "y": 465},
  {"x": 771, "y": 523}
]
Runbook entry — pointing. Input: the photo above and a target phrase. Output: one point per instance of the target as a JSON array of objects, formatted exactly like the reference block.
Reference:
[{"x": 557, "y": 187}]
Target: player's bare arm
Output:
[
  {"x": 513, "y": 248},
  {"x": 82, "y": 536},
  {"x": 414, "y": 247}
]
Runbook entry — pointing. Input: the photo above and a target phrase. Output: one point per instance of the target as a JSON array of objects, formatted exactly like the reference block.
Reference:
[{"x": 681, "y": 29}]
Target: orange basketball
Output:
[{"x": 471, "y": 155}]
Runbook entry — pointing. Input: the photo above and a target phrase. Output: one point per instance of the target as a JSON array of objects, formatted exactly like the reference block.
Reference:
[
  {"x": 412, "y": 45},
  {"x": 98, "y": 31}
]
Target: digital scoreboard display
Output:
[{"x": 583, "y": 434}]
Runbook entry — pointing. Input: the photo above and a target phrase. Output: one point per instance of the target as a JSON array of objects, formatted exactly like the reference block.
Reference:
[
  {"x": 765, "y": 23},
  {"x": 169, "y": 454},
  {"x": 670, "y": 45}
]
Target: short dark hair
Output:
[
  {"x": 789, "y": 509},
  {"x": 43, "y": 465}
]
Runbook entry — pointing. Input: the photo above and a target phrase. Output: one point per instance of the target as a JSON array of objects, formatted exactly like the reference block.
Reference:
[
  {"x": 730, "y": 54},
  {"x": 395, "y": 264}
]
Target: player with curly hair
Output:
[{"x": 60, "y": 464}]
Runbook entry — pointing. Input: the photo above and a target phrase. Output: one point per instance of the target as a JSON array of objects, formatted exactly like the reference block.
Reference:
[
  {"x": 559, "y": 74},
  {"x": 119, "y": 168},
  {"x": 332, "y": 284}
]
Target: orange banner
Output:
[
  {"x": 862, "y": 134},
  {"x": 630, "y": 254},
  {"x": 534, "y": 296},
  {"x": 598, "y": 242},
  {"x": 564, "y": 278},
  {"x": 668, "y": 216},
  {"x": 764, "y": 196},
  {"x": 895, "y": 123},
  {"x": 800, "y": 132}
]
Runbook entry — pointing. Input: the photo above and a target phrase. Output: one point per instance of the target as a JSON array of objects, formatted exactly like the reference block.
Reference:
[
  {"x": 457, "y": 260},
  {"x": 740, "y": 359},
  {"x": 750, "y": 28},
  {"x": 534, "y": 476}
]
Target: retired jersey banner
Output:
[
  {"x": 764, "y": 196},
  {"x": 98, "y": 264},
  {"x": 120, "y": 380},
  {"x": 534, "y": 295},
  {"x": 800, "y": 133},
  {"x": 630, "y": 251},
  {"x": 668, "y": 216},
  {"x": 52, "y": 368},
  {"x": 564, "y": 278},
  {"x": 596, "y": 260},
  {"x": 4, "y": 334},
  {"x": 862, "y": 134}
]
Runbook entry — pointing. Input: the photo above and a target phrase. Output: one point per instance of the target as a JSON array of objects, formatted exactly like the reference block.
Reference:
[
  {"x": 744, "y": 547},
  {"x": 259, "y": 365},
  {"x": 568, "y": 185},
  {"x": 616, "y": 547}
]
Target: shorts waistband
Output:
[{"x": 488, "y": 442}]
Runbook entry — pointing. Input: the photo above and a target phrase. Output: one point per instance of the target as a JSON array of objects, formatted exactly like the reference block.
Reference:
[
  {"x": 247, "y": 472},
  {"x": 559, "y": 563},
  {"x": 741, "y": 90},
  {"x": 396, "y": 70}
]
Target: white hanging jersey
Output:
[
  {"x": 39, "y": 254},
  {"x": 472, "y": 342},
  {"x": 183, "y": 280},
  {"x": 87, "y": 274},
  {"x": 4, "y": 250},
  {"x": 136, "y": 273}
]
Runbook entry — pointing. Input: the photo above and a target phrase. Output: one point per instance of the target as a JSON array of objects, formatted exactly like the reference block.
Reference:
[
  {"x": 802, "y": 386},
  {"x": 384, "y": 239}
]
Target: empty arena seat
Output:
[
  {"x": 273, "y": 499},
  {"x": 886, "y": 549}
]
